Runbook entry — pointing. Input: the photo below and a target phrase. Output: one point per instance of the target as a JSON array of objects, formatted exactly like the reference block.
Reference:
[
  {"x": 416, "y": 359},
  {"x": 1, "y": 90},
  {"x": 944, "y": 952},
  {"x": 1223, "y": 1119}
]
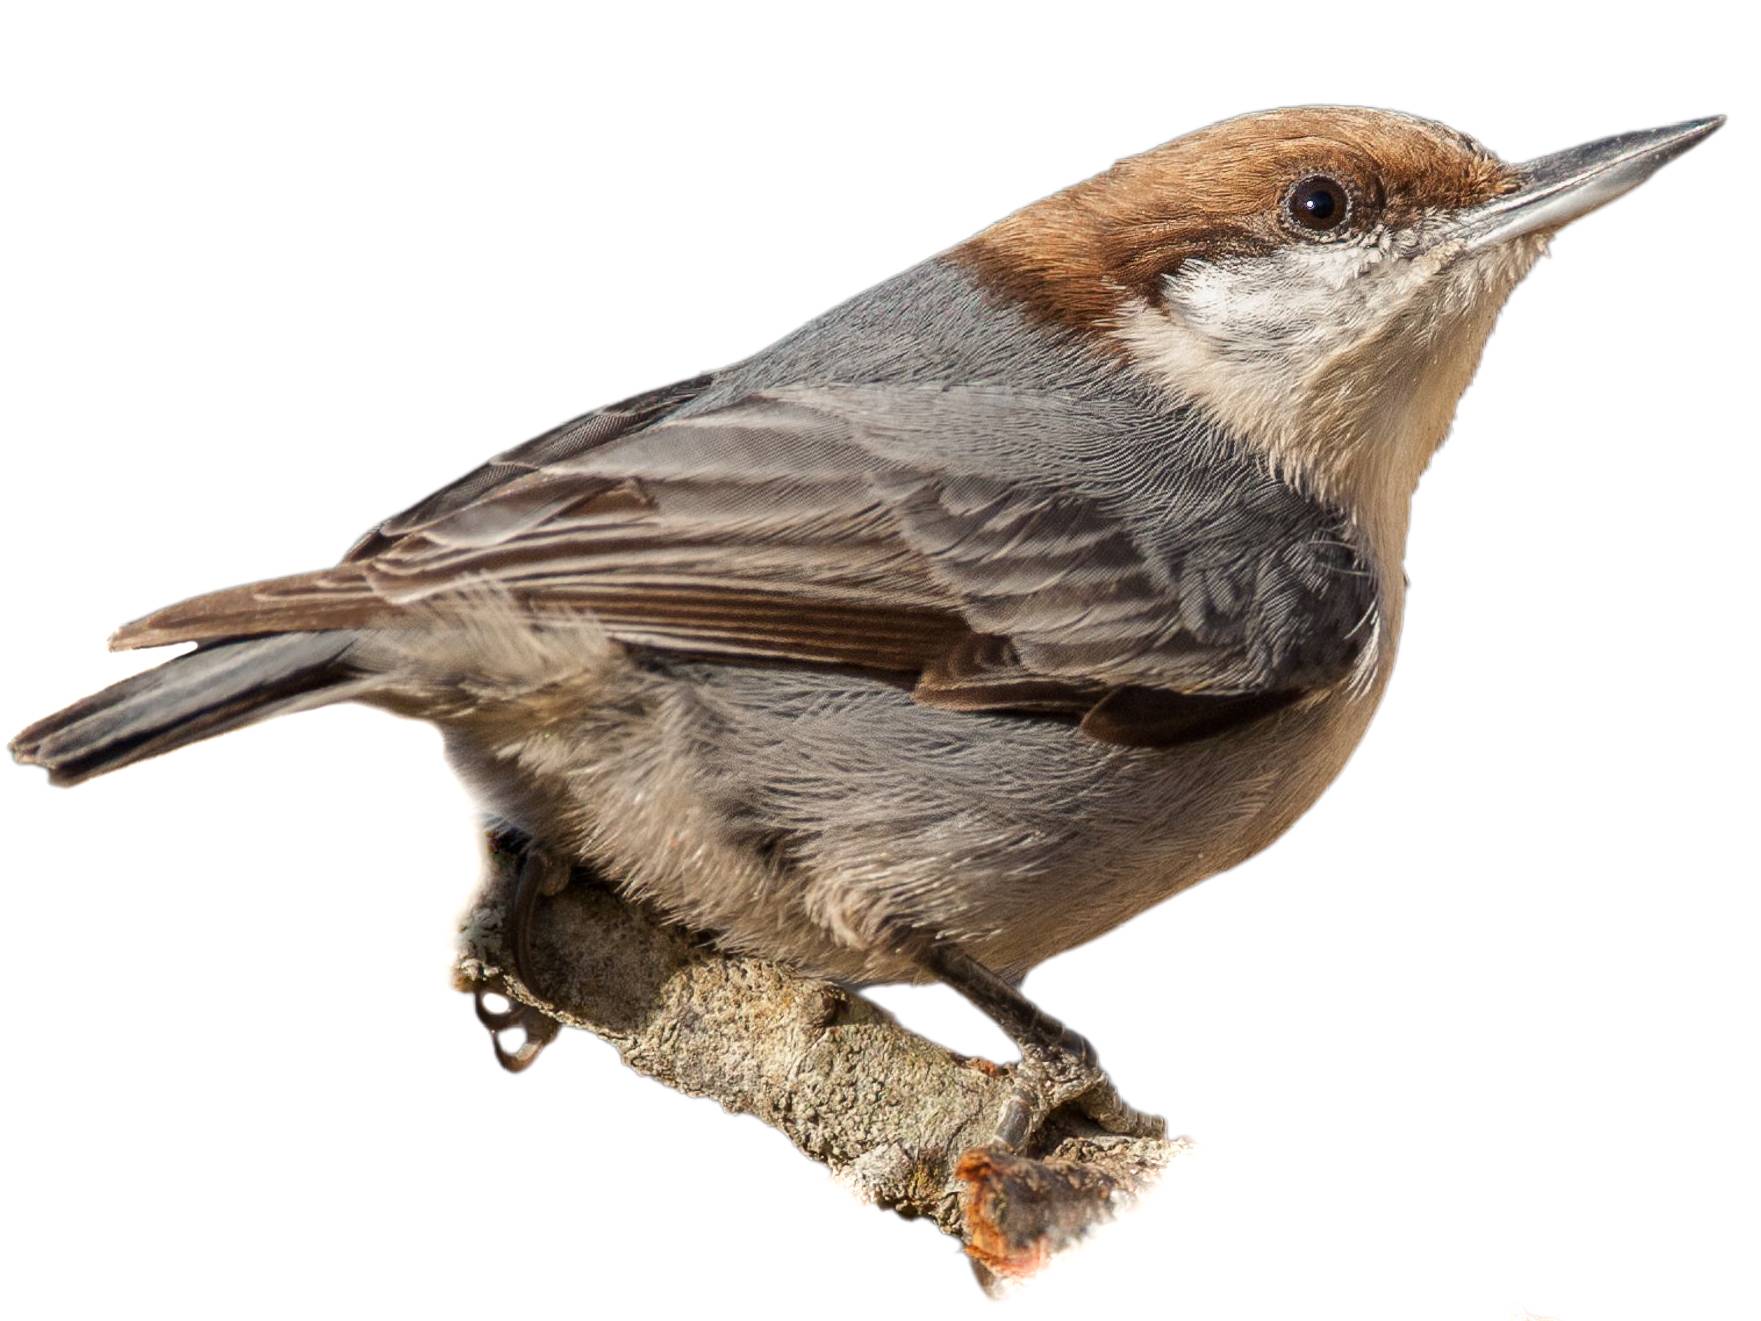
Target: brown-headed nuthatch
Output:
[{"x": 979, "y": 614}]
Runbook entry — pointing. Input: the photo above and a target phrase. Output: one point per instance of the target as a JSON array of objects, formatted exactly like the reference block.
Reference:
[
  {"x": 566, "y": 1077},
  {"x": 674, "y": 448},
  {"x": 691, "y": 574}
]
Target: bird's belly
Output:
[{"x": 807, "y": 816}]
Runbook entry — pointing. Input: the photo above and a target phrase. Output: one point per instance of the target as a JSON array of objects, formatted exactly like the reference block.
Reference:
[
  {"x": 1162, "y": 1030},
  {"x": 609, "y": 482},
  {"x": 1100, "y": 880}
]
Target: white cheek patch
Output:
[
  {"x": 1242, "y": 336},
  {"x": 1249, "y": 336},
  {"x": 1271, "y": 347},
  {"x": 1293, "y": 308}
]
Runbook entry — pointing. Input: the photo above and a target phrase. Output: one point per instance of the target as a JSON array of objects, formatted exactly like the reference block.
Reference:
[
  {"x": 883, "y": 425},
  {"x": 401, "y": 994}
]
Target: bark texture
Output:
[{"x": 901, "y": 1120}]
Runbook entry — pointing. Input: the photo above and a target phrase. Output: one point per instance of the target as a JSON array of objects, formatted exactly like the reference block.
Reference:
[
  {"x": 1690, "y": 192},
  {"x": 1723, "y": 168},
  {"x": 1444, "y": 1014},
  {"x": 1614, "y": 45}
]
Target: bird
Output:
[{"x": 1001, "y": 602}]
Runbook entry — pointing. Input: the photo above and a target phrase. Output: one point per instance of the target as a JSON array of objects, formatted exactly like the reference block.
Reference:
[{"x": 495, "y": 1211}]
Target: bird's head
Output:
[{"x": 1319, "y": 280}]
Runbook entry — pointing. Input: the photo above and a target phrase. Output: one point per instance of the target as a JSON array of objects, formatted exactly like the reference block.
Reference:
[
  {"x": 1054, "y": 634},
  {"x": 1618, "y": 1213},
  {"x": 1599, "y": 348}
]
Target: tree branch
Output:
[{"x": 901, "y": 1120}]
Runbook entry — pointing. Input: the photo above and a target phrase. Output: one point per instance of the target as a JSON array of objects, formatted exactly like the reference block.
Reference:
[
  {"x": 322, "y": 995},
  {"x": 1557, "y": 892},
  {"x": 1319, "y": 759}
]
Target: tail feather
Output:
[{"x": 210, "y": 691}]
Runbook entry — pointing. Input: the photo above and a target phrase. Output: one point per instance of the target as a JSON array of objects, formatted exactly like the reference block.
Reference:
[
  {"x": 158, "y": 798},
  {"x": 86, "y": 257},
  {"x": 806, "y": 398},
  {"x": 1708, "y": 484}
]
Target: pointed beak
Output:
[{"x": 1557, "y": 189}]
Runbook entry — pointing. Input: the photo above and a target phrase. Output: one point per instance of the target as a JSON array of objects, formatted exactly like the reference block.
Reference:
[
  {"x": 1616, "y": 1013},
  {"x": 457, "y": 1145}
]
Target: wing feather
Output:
[{"x": 888, "y": 528}]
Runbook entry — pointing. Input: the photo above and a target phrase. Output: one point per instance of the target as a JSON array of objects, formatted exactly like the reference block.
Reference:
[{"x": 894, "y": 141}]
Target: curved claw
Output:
[
  {"x": 540, "y": 873},
  {"x": 1103, "y": 1104},
  {"x": 1070, "y": 1075},
  {"x": 496, "y": 1020},
  {"x": 1016, "y": 1121},
  {"x": 538, "y": 1028}
]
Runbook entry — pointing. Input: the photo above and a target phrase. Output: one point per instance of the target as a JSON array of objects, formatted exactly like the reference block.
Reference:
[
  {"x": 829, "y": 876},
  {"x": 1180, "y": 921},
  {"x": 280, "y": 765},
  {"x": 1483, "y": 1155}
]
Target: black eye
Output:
[{"x": 1317, "y": 203}]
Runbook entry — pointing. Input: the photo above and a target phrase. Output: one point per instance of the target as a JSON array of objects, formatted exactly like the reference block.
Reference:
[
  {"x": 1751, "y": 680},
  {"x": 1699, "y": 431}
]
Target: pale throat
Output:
[{"x": 1341, "y": 364}]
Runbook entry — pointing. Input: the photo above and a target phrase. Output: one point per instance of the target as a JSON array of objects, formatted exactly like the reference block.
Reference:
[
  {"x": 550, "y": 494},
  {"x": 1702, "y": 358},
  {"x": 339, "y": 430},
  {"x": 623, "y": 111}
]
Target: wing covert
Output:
[{"x": 999, "y": 551}]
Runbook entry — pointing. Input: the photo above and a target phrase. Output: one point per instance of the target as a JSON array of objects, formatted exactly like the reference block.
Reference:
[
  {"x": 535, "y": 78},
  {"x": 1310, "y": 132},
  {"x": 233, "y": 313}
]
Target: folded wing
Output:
[{"x": 1132, "y": 571}]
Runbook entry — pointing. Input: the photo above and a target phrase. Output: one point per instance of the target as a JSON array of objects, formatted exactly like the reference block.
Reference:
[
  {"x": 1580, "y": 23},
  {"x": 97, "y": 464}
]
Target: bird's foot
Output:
[
  {"x": 537, "y": 1029},
  {"x": 1067, "y": 1073},
  {"x": 542, "y": 874},
  {"x": 539, "y": 874}
]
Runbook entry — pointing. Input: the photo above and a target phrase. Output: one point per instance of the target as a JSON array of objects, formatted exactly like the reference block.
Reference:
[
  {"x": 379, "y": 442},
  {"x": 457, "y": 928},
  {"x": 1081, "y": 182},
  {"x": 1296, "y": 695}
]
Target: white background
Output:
[{"x": 1476, "y": 1040}]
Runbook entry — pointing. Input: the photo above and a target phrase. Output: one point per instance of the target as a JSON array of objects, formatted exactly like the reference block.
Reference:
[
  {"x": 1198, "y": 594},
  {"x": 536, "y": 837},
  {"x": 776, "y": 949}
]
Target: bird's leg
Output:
[
  {"x": 540, "y": 873},
  {"x": 1058, "y": 1066}
]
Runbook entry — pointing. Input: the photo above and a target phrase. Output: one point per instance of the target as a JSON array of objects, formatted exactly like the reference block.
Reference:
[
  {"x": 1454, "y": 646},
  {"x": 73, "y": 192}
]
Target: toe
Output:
[{"x": 536, "y": 1030}]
